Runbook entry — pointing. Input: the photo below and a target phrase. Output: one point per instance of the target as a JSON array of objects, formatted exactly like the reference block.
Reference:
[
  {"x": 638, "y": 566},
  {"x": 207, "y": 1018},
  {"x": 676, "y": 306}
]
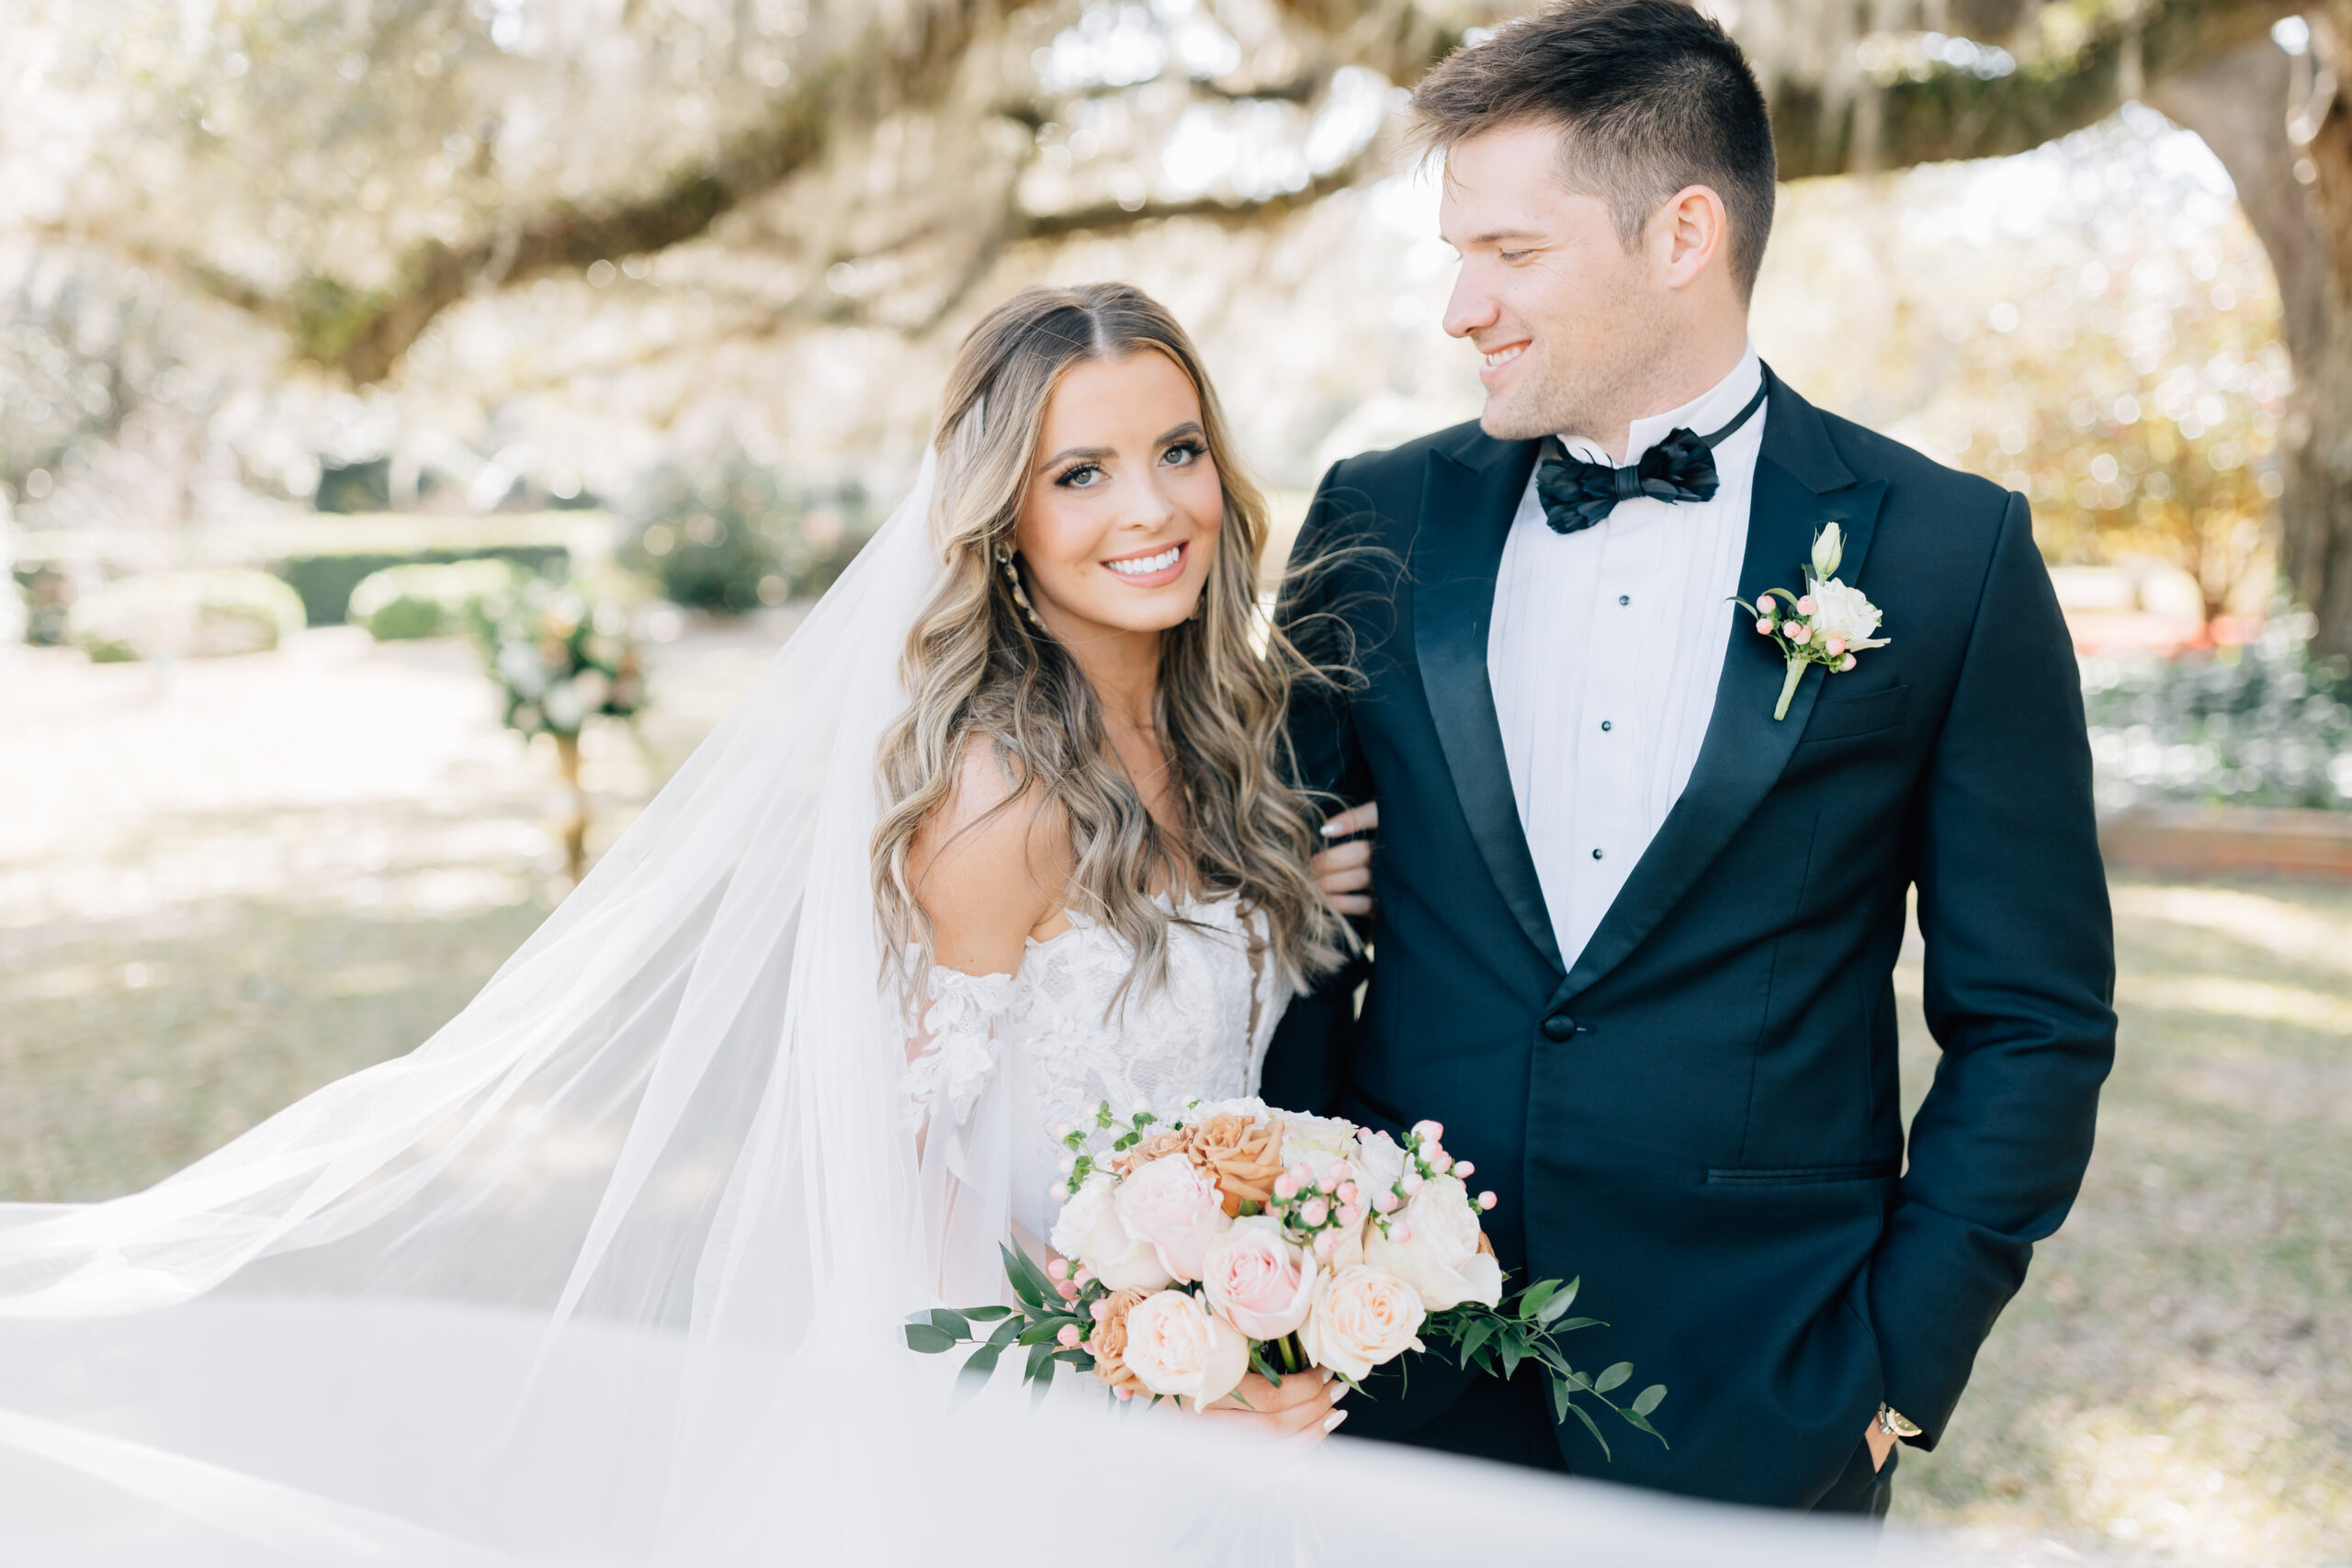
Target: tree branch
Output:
[
  {"x": 1955, "y": 114},
  {"x": 1230, "y": 211}
]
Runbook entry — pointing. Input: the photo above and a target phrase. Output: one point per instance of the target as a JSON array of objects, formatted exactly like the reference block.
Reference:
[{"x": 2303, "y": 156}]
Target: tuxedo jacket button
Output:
[{"x": 1559, "y": 1028}]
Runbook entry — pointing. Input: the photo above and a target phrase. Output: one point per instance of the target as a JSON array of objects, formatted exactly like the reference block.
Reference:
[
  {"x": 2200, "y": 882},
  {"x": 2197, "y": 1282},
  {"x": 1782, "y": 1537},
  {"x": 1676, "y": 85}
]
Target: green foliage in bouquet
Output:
[
  {"x": 1036, "y": 1326},
  {"x": 1526, "y": 1328},
  {"x": 557, "y": 658}
]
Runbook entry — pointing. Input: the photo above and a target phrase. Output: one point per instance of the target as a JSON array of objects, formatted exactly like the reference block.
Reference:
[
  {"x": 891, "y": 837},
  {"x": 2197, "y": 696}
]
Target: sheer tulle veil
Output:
[{"x": 610, "y": 1270}]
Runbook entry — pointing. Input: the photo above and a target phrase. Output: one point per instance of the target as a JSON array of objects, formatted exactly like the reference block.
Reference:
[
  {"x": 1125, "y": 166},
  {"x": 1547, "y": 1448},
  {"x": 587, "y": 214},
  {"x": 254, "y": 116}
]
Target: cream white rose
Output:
[
  {"x": 1177, "y": 1347},
  {"x": 1175, "y": 1206},
  {"x": 1379, "y": 1162},
  {"x": 1439, "y": 1255},
  {"x": 1089, "y": 1230},
  {"x": 1843, "y": 611},
  {"x": 1363, "y": 1317},
  {"x": 1316, "y": 1141}
]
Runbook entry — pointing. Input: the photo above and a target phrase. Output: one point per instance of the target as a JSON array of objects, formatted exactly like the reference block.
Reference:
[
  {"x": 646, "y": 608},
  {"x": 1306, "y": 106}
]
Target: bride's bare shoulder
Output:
[{"x": 991, "y": 865}]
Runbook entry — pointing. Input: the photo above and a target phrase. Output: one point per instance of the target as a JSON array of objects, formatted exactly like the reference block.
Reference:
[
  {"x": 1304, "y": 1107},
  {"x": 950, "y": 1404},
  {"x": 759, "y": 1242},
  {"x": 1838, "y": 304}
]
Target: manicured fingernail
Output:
[
  {"x": 1332, "y": 829},
  {"x": 1331, "y": 1421},
  {"x": 1339, "y": 1391}
]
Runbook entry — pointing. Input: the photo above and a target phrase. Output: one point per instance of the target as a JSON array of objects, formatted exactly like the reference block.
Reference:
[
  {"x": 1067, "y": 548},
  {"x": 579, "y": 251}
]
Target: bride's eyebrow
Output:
[
  {"x": 1092, "y": 454},
  {"x": 1190, "y": 427}
]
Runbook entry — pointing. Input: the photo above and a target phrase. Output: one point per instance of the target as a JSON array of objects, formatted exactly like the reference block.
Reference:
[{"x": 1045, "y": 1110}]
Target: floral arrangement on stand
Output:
[
  {"x": 558, "y": 660},
  {"x": 1242, "y": 1239}
]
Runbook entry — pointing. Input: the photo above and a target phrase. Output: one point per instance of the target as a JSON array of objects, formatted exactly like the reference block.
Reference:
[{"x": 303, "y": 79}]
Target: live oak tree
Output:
[{"x": 351, "y": 170}]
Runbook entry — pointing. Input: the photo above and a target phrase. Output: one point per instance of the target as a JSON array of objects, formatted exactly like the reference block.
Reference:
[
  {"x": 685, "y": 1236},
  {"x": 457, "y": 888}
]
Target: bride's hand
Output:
[
  {"x": 1344, "y": 871},
  {"x": 1302, "y": 1405}
]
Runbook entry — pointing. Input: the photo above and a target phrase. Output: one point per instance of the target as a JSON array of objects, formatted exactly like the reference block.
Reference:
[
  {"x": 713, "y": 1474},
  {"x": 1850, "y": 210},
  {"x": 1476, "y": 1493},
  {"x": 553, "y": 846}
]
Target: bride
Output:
[{"x": 1090, "y": 865}]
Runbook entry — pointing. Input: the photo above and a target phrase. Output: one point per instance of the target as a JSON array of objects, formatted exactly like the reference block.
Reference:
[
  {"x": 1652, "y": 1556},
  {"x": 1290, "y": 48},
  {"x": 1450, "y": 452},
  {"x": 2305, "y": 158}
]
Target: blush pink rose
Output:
[
  {"x": 1257, "y": 1280},
  {"x": 1174, "y": 1205}
]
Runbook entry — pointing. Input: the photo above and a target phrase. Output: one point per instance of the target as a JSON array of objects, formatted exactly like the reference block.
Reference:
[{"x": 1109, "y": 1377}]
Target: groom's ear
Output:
[{"x": 1690, "y": 235}]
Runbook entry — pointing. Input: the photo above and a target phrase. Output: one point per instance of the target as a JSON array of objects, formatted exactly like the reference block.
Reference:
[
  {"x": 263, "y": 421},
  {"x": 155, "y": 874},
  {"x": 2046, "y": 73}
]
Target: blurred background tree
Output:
[{"x": 652, "y": 203}]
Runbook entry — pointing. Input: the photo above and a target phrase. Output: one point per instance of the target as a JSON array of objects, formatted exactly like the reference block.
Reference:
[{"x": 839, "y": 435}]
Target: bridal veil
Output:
[{"x": 609, "y": 1269}]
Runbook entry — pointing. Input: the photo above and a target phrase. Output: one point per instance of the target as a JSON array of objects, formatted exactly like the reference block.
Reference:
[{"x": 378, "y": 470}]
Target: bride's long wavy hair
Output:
[{"x": 976, "y": 665}]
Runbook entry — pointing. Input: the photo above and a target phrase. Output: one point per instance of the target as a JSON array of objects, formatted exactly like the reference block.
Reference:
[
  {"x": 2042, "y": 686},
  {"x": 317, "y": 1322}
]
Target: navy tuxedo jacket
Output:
[{"x": 1702, "y": 1117}]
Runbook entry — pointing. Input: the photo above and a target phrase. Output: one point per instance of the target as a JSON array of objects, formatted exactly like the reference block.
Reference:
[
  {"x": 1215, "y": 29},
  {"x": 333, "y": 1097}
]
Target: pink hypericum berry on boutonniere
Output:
[
  {"x": 1300, "y": 1176},
  {"x": 1805, "y": 606},
  {"x": 1429, "y": 1131},
  {"x": 1845, "y": 664},
  {"x": 1340, "y": 1173},
  {"x": 1486, "y": 1200},
  {"x": 1068, "y": 1338},
  {"x": 1800, "y": 634},
  {"x": 1462, "y": 1167},
  {"x": 1833, "y": 646},
  {"x": 1058, "y": 1191},
  {"x": 1765, "y": 626}
]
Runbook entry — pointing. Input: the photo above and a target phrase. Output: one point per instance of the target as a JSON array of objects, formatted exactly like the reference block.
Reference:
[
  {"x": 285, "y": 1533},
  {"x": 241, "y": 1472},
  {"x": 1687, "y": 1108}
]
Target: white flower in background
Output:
[
  {"x": 1250, "y": 1106},
  {"x": 1089, "y": 1229},
  {"x": 1438, "y": 1254},
  {"x": 565, "y": 707},
  {"x": 593, "y": 689},
  {"x": 1843, "y": 613},
  {"x": 1177, "y": 1348},
  {"x": 519, "y": 667}
]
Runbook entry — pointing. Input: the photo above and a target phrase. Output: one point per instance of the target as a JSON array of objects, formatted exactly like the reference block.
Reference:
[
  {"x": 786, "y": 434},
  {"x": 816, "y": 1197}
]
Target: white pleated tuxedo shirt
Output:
[{"x": 1604, "y": 653}]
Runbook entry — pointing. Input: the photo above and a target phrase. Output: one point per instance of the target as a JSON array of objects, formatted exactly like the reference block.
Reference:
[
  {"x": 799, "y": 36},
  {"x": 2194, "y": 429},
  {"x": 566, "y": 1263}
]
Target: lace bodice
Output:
[{"x": 1062, "y": 1046}]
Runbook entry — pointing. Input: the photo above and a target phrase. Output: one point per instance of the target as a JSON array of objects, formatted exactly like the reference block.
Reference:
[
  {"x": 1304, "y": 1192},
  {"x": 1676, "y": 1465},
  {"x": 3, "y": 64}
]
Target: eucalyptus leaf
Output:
[
  {"x": 981, "y": 1365},
  {"x": 1648, "y": 1400},
  {"x": 986, "y": 1313},
  {"x": 1007, "y": 1331},
  {"x": 1589, "y": 1425},
  {"x": 1511, "y": 1353},
  {"x": 1560, "y": 1401},
  {"x": 1572, "y": 1324},
  {"x": 1612, "y": 1377},
  {"x": 1644, "y": 1424},
  {"x": 922, "y": 1337},
  {"x": 950, "y": 1321},
  {"x": 1532, "y": 1302}
]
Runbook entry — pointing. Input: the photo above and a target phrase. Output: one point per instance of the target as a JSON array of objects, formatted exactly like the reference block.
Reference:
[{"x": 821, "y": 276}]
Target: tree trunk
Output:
[
  {"x": 574, "y": 825},
  {"x": 2240, "y": 105}
]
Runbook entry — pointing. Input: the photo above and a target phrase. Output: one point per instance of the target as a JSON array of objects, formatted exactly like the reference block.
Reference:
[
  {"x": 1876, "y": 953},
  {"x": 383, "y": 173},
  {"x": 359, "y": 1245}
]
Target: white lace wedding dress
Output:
[{"x": 1066, "y": 1032}]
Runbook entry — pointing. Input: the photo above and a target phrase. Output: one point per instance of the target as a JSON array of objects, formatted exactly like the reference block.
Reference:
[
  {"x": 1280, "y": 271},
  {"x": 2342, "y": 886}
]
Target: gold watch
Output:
[{"x": 1894, "y": 1424}]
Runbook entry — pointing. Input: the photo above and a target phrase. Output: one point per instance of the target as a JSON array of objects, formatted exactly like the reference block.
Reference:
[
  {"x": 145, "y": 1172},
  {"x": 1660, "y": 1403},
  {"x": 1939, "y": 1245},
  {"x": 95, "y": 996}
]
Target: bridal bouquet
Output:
[{"x": 1244, "y": 1239}]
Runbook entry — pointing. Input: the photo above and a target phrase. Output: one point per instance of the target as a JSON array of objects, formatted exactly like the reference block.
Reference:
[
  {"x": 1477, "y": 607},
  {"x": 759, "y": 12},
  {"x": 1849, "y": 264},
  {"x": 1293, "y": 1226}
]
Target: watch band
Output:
[{"x": 1894, "y": 1424}]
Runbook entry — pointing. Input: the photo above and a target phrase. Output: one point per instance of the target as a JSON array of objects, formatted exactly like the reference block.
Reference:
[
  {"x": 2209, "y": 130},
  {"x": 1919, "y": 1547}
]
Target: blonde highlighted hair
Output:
[{"x": 976, "y": 666}]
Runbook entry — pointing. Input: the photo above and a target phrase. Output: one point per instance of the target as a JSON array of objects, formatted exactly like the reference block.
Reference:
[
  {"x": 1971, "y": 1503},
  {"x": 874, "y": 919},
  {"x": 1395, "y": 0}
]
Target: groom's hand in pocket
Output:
[
  {"x": 1344, "y": 871},
  {"x": 1302, "y": 1405},
  {"x": 1881, "y": 1442}
]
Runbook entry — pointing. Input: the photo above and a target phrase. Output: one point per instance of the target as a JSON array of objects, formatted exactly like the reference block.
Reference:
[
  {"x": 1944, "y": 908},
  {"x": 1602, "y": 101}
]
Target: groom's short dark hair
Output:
[{"x": 1651, "y": 96}]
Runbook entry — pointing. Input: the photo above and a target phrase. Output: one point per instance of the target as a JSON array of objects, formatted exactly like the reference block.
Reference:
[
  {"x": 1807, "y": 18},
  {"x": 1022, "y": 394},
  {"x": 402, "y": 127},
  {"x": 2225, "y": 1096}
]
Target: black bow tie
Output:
[{"x": 1578, "y": 494}]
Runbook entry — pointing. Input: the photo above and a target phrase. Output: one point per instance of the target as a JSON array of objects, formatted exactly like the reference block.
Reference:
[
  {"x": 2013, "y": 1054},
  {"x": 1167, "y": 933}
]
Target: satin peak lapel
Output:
[
  {"x": 1801, "y": 484},
  {"x": 1467, "y": 504}
]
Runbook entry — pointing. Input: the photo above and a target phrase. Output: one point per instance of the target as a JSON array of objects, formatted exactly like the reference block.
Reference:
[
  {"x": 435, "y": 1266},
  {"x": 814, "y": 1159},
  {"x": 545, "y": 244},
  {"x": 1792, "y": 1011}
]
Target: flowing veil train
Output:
[{"x": 609, "y": 1270}]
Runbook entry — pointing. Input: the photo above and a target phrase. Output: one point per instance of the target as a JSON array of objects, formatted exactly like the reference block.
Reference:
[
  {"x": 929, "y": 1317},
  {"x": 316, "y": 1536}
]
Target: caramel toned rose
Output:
[
  {"x": 1109, "y": 1343},
  {"x": 1243, "y": 1155},
  {"x": 1176, "y": 1141}
]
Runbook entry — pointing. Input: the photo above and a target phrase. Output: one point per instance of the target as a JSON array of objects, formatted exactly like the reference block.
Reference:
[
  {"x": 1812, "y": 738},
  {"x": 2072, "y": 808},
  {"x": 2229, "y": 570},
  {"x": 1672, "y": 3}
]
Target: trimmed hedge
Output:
[
  {"x": 427, "y": 601},
  {"x": 195, "y": 614},
  {"x": 325, "y": 581}
]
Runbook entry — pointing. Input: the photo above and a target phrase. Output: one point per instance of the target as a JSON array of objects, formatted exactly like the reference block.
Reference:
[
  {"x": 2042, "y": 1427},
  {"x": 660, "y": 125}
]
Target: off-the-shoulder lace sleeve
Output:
[{"x": 959, "y": 1045}]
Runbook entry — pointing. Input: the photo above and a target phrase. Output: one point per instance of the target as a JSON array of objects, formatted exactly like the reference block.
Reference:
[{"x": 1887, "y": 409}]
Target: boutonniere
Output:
[{"x": 1826, "y": 625}]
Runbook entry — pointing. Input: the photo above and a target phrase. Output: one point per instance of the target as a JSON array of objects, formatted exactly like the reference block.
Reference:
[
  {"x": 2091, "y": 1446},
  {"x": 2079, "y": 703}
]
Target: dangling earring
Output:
[{"x": 1019, "y": 595}]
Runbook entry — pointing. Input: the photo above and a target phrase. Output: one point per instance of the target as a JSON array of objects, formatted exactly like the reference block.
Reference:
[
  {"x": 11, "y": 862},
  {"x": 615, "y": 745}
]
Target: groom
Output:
[{"x": 1637, "y": 934}]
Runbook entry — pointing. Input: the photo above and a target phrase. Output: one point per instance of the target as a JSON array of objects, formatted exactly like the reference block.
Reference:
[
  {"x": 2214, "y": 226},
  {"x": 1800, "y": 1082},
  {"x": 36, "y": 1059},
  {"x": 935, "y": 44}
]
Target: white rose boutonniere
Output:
[{"x": 1827, "y": 625}]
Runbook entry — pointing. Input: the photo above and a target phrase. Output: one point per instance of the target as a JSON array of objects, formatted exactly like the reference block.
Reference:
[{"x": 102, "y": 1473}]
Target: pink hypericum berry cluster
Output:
[
  {"x": 1795, "y": 624},
  {"x": 1425, "y": 1157},
  {"x": 1319, "y": 1209}
]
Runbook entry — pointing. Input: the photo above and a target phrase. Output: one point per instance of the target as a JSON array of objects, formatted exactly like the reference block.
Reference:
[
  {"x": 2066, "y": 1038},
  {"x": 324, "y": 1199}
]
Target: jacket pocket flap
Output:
[
  {"x": 1844, "y": 718},
  {"x": 1802, "y": 1175}
]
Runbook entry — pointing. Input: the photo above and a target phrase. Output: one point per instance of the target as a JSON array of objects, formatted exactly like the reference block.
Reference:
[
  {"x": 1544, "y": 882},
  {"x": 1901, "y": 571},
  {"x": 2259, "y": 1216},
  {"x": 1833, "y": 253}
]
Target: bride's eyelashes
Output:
[
  {"x": 1180, "y": 454},
  {"x": 1069, "y": 477}
]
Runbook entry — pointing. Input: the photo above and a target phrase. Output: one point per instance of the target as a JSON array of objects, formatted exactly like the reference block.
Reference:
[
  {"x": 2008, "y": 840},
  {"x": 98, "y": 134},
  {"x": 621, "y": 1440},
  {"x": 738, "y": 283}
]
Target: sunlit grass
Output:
[{"x": 2177, "y": 1373}]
